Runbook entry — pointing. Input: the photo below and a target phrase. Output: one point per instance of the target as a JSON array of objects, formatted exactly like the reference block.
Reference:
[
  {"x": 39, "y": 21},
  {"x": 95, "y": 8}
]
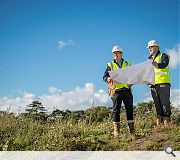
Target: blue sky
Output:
[{"x": 56, "y": 51}]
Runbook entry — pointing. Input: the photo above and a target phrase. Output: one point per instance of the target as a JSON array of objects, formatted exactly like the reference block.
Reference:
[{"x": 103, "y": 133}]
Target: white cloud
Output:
[
  {"x": 174, "y": 56},
  {"x": 63, "y": 44},
  {"x": 174, "y": 97},
  {"x": 79, "y": 98},
  {"x": 54, "y": 90}
]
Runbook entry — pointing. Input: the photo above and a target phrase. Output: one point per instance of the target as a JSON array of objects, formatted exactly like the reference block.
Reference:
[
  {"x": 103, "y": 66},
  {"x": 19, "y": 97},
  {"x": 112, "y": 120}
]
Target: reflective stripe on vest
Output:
[
  {"x": 161, "y": 75},
  {"x": 161, "y": 72},
  {"x": 114, "y": 66}
]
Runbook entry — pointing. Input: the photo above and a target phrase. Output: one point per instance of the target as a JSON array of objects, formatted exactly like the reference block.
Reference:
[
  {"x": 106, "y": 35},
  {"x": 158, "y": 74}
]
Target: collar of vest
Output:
[
  {"x": 120, "y": 65},
  {"x": 156, "y": 55}
]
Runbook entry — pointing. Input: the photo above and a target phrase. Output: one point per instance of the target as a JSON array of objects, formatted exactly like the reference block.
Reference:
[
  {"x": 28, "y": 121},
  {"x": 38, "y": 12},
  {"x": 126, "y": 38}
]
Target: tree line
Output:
[{"x": 38, "y": 112}]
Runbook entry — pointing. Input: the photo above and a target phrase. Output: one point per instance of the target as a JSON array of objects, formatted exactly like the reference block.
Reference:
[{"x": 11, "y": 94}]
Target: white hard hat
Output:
[
  {"x": 117, "y": 49},
  {"x": 153, "y": 43}
]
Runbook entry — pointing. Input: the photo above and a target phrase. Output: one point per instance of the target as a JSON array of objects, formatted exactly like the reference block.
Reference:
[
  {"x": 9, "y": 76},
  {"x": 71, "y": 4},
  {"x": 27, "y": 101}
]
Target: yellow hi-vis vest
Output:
[
  {"x": 114, "y": 66},
  {"x": 161, "y": 75}
]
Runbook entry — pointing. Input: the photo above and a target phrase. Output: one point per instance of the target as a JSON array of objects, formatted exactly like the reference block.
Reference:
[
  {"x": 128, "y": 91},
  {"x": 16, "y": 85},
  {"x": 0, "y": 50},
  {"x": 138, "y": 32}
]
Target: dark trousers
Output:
[
  {"x": 126, "y": 97},
  {"x": 161, "y": 96}
]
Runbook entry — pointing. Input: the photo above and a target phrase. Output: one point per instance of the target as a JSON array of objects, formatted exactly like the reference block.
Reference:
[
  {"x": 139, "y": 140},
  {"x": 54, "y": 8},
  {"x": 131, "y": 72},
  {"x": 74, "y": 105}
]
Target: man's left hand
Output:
[{"x": 155, "y": 64}]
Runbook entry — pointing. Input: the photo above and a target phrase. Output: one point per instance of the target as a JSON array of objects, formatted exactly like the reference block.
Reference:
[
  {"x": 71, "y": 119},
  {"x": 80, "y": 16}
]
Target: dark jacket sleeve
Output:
[
  {"x": 106, "y": 73},
  {"x": 164, "y": 61}
]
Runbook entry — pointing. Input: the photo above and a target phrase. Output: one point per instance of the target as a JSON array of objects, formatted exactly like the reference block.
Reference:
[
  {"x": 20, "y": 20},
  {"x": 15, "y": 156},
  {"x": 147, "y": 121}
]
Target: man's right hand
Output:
[
  {"x": 111, "y": 87},
  {"x": 109, "y": 80}
]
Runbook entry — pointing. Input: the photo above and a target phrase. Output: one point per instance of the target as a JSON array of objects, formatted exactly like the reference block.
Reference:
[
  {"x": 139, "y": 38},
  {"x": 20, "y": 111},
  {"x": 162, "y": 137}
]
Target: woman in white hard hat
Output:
[
  {"x": 122, "y": 92},
  {"x": 161, "y": 90}
]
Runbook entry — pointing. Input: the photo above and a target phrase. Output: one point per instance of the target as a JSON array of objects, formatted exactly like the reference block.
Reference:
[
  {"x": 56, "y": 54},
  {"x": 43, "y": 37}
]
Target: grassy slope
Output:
[{"x": 20, "y": 133}]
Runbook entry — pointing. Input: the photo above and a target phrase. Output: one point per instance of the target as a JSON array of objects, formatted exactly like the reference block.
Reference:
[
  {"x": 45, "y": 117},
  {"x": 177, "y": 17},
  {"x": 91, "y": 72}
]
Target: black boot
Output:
[{"x": 131, "y": 127}]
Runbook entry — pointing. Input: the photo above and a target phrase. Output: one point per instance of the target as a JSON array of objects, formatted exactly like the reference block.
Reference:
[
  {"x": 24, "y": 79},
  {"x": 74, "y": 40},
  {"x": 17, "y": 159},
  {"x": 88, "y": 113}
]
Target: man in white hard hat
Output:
[
  {"x": 161, "y": 90},
  {"x": 122, "y": 92}
]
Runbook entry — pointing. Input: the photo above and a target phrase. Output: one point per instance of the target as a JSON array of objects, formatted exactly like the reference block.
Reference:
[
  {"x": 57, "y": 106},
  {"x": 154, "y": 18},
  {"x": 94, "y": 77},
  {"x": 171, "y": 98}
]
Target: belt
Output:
[{"x": 122, "y": 89}]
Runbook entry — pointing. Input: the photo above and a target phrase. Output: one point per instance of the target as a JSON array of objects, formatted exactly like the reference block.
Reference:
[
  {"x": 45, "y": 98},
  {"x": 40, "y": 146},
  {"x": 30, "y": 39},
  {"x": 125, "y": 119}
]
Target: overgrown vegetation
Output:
[{"x": 89, "y": 130}]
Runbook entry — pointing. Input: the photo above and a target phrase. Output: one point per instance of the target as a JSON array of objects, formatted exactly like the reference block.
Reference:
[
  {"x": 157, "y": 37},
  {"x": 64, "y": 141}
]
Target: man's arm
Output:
[
  {"x": 164, "y": 61},
  {"x": 107, "y": 78},
  {"x": 106, "y": 74}
]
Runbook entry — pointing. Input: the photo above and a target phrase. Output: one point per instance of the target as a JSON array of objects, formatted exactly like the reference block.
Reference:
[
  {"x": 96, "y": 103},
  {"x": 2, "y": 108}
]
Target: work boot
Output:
[
  {"x": 131, "y": 126},
  {"x": 116, "y": 128},
  {"x": 166, "y": 121},
  {"x": 158, "y": 121}
]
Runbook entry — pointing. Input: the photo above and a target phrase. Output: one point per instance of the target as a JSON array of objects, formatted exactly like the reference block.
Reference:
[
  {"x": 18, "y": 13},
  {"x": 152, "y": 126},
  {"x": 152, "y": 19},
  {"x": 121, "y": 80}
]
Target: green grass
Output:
[{"x": 86, "y": 133}]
